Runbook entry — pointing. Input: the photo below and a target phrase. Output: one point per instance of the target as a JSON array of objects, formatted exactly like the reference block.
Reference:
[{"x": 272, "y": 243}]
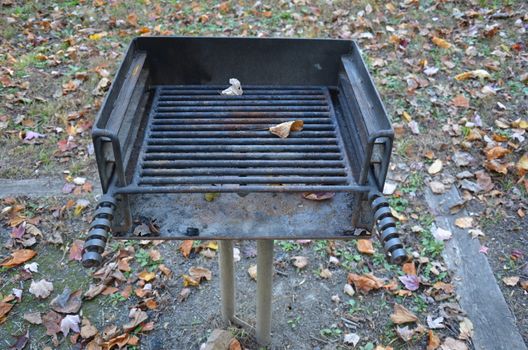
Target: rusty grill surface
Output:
[{"x": 200, "y": 140}]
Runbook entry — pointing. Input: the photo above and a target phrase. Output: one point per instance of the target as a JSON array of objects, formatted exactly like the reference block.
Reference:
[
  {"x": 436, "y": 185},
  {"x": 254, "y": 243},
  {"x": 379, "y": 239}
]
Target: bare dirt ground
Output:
[{"x": 453, "y": 76}]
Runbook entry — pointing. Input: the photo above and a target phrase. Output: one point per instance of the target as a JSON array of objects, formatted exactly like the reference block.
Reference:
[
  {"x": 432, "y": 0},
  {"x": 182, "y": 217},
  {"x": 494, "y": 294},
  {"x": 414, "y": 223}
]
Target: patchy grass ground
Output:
[{"x": 453, "y": 76}]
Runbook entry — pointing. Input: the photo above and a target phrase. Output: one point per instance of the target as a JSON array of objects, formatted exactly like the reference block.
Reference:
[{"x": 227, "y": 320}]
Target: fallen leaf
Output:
[
  {"x": 407, "y": 334},
  {"x": 453, "y": 344},
  {"x": 4, "y": 310},
  {"x": 511, "y": 281},
  {"x": 365, "y": 283},
  {"x": 401, "y": 315},
  {"x": 189, "y": 281},
  {"x": 252, "y": 271},
  {"x": 76, "y": 250},
  {"x": 132, "y": 19},
  {"x": 186, "y": 247},
  {"x": 351, "y": 338},
  {"x": 460, "y": 101},
  {"x": 437, "y": 187},
  {"x": 411, "y": 282},
  {"x": 146, "y": 276},
  {"x": 97, "y": 36},
  {"x": 436, "y": 323},
  {"x": 522, "y": 165},
  {"x": 436, "y": 167},
  {"x": 496, "y": 152},
  {"x": 67, "y": 302},
  {"x": 18, "y": 257},
  {"x": 70, "y": 322},
  {"x": 200, "y": 272},
  {"x": 51, "y": 321},
  {"x": 349, "y": 290},
  {"x": 496, "y": 166},
  {"x": 478, "y": 73},
  {"x": 483, "y": 249},
  {"x": 325, "y": 273},
  {"x": 87, "y": 329},
  {"x": 466, "y": 329},
  {"x": 318, "y": 196},
  {"x": 441, "y": 235},
  {"x": 300, "y": 262},
  {"x": 409, "y": 268},
  {"x": 184, "y": 294},
  {"x": 41, "y": 289},
  {"x": 365, "y": 246},
  {"x": 464, "y": 222},
  {"x": 33, "y": 317},
  {"x": 138, "y": 317},
  {"x": 441, "y": 42},
  {"x": 165, "y": 270},
  {"x": 476, "y": 233},
  {"x": 94, "y": 291},
  {"x": 433, "y": 341},
  {"x": 283, "y": 130},
  {"x": 21, "y": 342},
  {"x": 235, "y": 89}
]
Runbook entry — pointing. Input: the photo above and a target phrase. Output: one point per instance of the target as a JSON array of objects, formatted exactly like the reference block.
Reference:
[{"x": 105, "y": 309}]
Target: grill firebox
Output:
[{"x": 165, "y": 136}]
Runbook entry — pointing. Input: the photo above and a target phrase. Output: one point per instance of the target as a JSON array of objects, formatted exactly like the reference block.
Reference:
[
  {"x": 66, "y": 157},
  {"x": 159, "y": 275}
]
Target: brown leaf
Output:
[
  {"x": 318, "y": 196},
  {"x": 4, "y": 310},
  {"x": 365, "y": 246},
  {"x": 76, "y": 250},
  {"x": 94, "y": 291},
  {"x": 252, "y": 271},
  {"x": 441, "y": 42},
  {"x": 401, "y": 315},
  {"x": 497, "y": 152},
  {"x": 283, "y": 130},
  {"x": 511, "y": 281},
  {"x": 460, "y": 101},
  {"x": 494, "y": 165},
  {"x": 300, "y": 262},
  {"x": 165, "y": 270},
  {"x": 186, "y": 247},
  {"x": 18, "y": 257},
  {"x": 188, "y": 281},
  {"x": 33, "y": 317},
  {"x": 464, "y": 222},
  {"x": 67, "y": 302},
  {"x": 409, "y": 268},
  {"x": 466, "y": 329},
  {"x": 132, "y": 19},
  {"x": 87, "y": 329},
  {"x": 433, "y": 341},
  {"x": 200, "y": 272},
  {"x": 155, "y": 255},
  {"x": 123, "y": 265},
  {"x": 51, "y": 321},
  {"x": 325, "y": 273},
  {"x": 365, "y": 283},
  {"x": 138, "y": 317},
  {"x": 522, "y": 165},
  {"x": 453, "y": 344}
]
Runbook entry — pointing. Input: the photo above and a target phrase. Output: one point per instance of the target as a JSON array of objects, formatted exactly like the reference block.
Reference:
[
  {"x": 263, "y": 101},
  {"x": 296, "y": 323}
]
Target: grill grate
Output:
[{"x": 197, "y": 137}]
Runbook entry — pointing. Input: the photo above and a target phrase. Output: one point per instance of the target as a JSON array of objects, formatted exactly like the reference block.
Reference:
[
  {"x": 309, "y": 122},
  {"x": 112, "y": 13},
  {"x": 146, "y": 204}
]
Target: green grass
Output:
[{"x": 288, "y": 246}]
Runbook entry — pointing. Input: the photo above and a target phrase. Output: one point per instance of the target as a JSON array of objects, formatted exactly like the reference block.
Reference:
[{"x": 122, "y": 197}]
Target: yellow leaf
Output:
[
  {"x": 189, "y": 281},
  {"x": 407, "y": 117},
  {"x": 147, "y": 276},
  {"x": 520, "y": 124},
  {"x": 213, "y": 245},
  {"x": 441, "y": 42},
  {"x": 97, "y": 36},
  {"x": 522, "y": 165},
  {"x": 478, "y": 73}
]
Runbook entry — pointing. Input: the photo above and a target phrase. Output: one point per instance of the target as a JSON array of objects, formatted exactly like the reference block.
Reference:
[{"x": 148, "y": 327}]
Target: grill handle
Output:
[
  {"x": 387, "y": 231},
  {"x": 98, "y": 233}
]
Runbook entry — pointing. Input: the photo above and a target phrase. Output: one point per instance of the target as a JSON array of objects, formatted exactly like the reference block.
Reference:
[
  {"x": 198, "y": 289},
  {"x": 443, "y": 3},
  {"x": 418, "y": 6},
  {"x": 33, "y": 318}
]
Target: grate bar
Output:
[
  {"x": 243, "y": 148},
  {"x": 244, "y": 180},
  {"x": 237, "y": 134},
  {"x": 240, "y": 108},
  {"x": 252, "y": 103},
  {"x": 241, "y": 156},
  {"x": 260, "y": 97},
  {"x": 241, "y": 141},
  {"x": 241, "y": 163},
  {"x": 267, "y": 121},
  {"x": 235, "y": 127},
  {"x": 243, "y": 172},
  {"x": 253, "y": 114}
]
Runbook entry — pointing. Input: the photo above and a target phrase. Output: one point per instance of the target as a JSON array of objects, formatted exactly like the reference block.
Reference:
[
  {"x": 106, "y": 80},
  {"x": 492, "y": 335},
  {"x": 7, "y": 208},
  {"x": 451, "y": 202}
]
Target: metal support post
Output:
[
  {"x": 227, "y": 280},
  {"x": 264, "y": 290}
]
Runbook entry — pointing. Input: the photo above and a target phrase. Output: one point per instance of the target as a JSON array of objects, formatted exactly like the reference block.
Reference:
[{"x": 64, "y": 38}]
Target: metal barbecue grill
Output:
[{"x": 165, "y": 136}]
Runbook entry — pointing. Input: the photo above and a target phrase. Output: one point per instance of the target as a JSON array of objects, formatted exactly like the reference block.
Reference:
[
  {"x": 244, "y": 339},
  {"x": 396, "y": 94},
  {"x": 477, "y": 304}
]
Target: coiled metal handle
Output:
[
  {"x": 386, "y": 224},
  {"x": 95, "y": 243}
]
